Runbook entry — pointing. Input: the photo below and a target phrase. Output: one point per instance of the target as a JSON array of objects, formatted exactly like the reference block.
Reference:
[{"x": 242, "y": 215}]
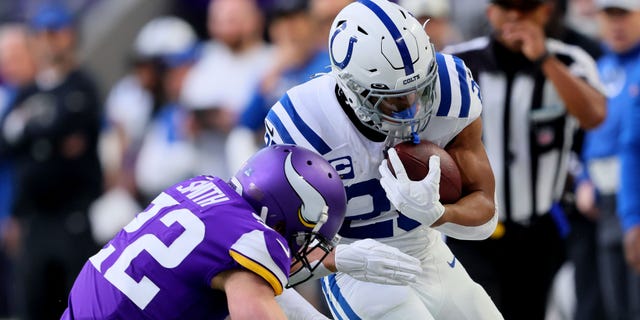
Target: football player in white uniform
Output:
[{"x": 388, "y": 85}]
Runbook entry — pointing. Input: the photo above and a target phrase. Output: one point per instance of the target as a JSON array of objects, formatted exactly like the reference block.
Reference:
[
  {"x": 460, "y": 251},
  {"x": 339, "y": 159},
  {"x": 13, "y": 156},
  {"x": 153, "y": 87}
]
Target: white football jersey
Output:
[{"x": 310, "y": 115}]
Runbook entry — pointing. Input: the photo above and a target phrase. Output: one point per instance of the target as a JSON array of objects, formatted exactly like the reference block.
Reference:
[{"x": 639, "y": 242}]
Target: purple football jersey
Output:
[{"x": 161, "y": 264}]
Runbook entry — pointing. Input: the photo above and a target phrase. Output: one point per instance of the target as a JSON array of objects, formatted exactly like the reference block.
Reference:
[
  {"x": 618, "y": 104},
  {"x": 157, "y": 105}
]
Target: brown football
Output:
[{"x": 415, "y": 158}]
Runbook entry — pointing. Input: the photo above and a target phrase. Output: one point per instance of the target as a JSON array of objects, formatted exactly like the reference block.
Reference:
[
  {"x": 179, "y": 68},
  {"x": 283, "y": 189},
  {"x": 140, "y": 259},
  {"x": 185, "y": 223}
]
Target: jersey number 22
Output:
[{"x": 141, "y": 293}]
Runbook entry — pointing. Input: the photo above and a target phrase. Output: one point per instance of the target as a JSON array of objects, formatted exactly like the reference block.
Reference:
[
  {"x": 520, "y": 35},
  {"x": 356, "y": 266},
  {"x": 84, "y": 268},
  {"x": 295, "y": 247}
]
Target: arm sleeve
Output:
[
  {"x": 480, "y": 232},
  {"x": 296, "y": 307}
]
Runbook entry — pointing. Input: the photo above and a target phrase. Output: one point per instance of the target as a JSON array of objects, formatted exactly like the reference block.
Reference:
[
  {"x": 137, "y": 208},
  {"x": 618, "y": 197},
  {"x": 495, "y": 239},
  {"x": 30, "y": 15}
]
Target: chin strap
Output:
[
  {"x": 415, "y": 138},
  {"x": 263, "y": 213},
  {"x": 321, "y": 221}
]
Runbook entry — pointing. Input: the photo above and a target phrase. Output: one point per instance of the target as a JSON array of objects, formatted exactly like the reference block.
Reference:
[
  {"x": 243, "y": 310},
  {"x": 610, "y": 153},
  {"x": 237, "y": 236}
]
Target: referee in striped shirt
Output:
[{"x": 536, "y": 93}]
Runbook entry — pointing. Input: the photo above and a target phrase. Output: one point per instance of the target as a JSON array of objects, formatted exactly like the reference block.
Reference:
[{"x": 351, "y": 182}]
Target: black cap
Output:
[
  {"x": 284, "y": 8},
  {"x": 524, "y": 5}
]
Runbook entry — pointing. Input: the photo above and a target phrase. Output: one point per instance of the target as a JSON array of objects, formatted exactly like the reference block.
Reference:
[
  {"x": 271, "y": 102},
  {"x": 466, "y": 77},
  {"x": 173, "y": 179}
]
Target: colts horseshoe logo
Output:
[{"x": 352, "y": 40}]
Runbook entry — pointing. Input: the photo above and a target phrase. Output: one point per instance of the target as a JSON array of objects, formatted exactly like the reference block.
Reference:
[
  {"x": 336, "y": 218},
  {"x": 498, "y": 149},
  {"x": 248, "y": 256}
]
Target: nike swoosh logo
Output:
[
  {"x": 452, "y": 263},
  {"x": 285, "y": 248}
]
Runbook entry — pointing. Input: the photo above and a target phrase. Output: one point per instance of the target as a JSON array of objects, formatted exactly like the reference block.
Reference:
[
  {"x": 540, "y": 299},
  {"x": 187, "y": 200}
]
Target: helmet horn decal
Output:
[
  {"x": 313, "y": 204},
  {"x": 342, "y": 64},
  {"x": 395, "y": 33}
]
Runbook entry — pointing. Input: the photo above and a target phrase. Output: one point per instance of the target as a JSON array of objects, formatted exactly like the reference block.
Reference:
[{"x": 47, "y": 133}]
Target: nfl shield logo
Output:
[{"x": 545, "y": 136}]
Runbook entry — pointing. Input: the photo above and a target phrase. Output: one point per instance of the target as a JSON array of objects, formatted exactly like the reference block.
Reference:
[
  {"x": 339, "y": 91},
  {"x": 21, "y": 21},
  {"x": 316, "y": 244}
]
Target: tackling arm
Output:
[
  {"x": 366, "y": 260},
  {"x": 474, "y": 216},
  {"x": 297, "y": 307},
  {"x": 248, "y": 295}
]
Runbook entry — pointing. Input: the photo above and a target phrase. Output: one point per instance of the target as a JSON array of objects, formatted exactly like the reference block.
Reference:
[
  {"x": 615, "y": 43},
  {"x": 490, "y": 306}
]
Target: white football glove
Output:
[
  {"x": 372, "y": 261},
  {"x": 418, "y": 200}
]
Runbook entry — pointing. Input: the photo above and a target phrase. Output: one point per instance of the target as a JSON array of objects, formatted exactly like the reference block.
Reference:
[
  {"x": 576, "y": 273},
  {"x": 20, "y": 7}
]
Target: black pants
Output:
[
  {"x": 620, "y": 284},
  {"x": 582, "y": 251},
  {"x": 53, "y": 250},
  {"x": 516, "y": 270}
]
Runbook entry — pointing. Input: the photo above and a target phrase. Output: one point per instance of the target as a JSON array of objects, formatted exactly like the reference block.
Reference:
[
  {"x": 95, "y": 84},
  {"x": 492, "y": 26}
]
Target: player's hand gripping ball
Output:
[{"x": 415, "y": 158}]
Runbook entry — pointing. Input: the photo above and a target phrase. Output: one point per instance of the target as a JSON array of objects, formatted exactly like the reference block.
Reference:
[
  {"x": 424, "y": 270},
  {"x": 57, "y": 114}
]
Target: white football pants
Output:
[{"x": 442, "y": 291}]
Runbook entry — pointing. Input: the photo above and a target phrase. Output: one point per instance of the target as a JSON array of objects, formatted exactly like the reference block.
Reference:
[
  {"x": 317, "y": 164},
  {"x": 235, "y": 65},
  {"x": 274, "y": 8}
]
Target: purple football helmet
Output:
[{"x": 300, "y": 195}]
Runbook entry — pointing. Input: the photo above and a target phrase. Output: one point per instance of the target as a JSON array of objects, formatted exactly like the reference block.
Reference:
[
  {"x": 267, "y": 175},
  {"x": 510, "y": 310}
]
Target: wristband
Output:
[{"x": 538, "y": 62}]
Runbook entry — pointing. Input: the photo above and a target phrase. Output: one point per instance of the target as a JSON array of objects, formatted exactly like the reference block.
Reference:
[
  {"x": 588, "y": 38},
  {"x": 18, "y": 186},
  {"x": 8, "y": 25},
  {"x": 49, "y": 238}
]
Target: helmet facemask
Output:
[
  {"x": 400, "y": 114},
  {"x": 310, "y": 246},
  {"x": 302, "y": 265}
]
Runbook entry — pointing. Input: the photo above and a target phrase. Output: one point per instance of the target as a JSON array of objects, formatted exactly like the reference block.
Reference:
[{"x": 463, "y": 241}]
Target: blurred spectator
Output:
[
  {"x": 195, "y": 12},
  {"x": 606, "y": 147},
  {"x": 137, "y": 97},
  {"x": 628, "y": 199},
  {"x": 219, "y": 86},
  {"x": 132, "y": 103},
  {"x": 17, "y": 65},
  {"x": 299, "y": 31},
  {"x": 581, "y": 240},
  {"x": 536, "y": 92},
  {"x": 440, "y": 29},
  {"x": 322, "y": 13},
  {"x": 581, "y": 15},
  {"x": 559, "y": 28},
  {"x": 168, "y": 143},
  {"x": 470, "y": 18},
  {"x": 51, "y": 132},
  {"x": 17, "y": 69}
]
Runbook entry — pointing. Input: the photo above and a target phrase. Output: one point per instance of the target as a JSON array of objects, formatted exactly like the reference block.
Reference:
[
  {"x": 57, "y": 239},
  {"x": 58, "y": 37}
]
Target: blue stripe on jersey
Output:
[
  {"x": 335, "y": 289},
  {"x": 327, "y": 298},
  {"x": 395, "y": 33},
  {"x": 406, "y": 223},
  {"x": 464, "y": 89},
  {"x": 445, "y": 86},
  {"x": 279, "y": 126},
  {"x": 313, "y": 138},
  {"x": 381, "y": 229}
]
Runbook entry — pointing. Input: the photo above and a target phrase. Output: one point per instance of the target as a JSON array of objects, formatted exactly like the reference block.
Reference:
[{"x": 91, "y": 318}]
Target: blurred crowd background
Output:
[{"x": 125, "y": 97}]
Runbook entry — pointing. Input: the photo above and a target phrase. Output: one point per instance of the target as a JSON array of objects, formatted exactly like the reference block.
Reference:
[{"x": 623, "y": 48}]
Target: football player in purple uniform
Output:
[{"x": 207, "y": 248}]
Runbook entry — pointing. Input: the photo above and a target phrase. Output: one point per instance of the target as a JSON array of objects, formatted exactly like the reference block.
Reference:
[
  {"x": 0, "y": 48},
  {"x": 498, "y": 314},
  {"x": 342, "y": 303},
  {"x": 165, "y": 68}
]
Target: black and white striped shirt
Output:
[{"x": 527, "y": 131}]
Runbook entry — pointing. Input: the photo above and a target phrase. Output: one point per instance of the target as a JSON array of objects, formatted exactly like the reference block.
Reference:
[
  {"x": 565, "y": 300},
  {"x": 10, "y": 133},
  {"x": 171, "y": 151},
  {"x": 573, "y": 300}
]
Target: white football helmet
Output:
[{"x": 386, "y": 66}]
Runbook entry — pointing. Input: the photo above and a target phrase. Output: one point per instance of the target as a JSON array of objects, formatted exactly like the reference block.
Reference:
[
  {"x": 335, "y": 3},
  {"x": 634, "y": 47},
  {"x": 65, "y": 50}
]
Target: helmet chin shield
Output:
[{"x": 398, "y": 114}]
